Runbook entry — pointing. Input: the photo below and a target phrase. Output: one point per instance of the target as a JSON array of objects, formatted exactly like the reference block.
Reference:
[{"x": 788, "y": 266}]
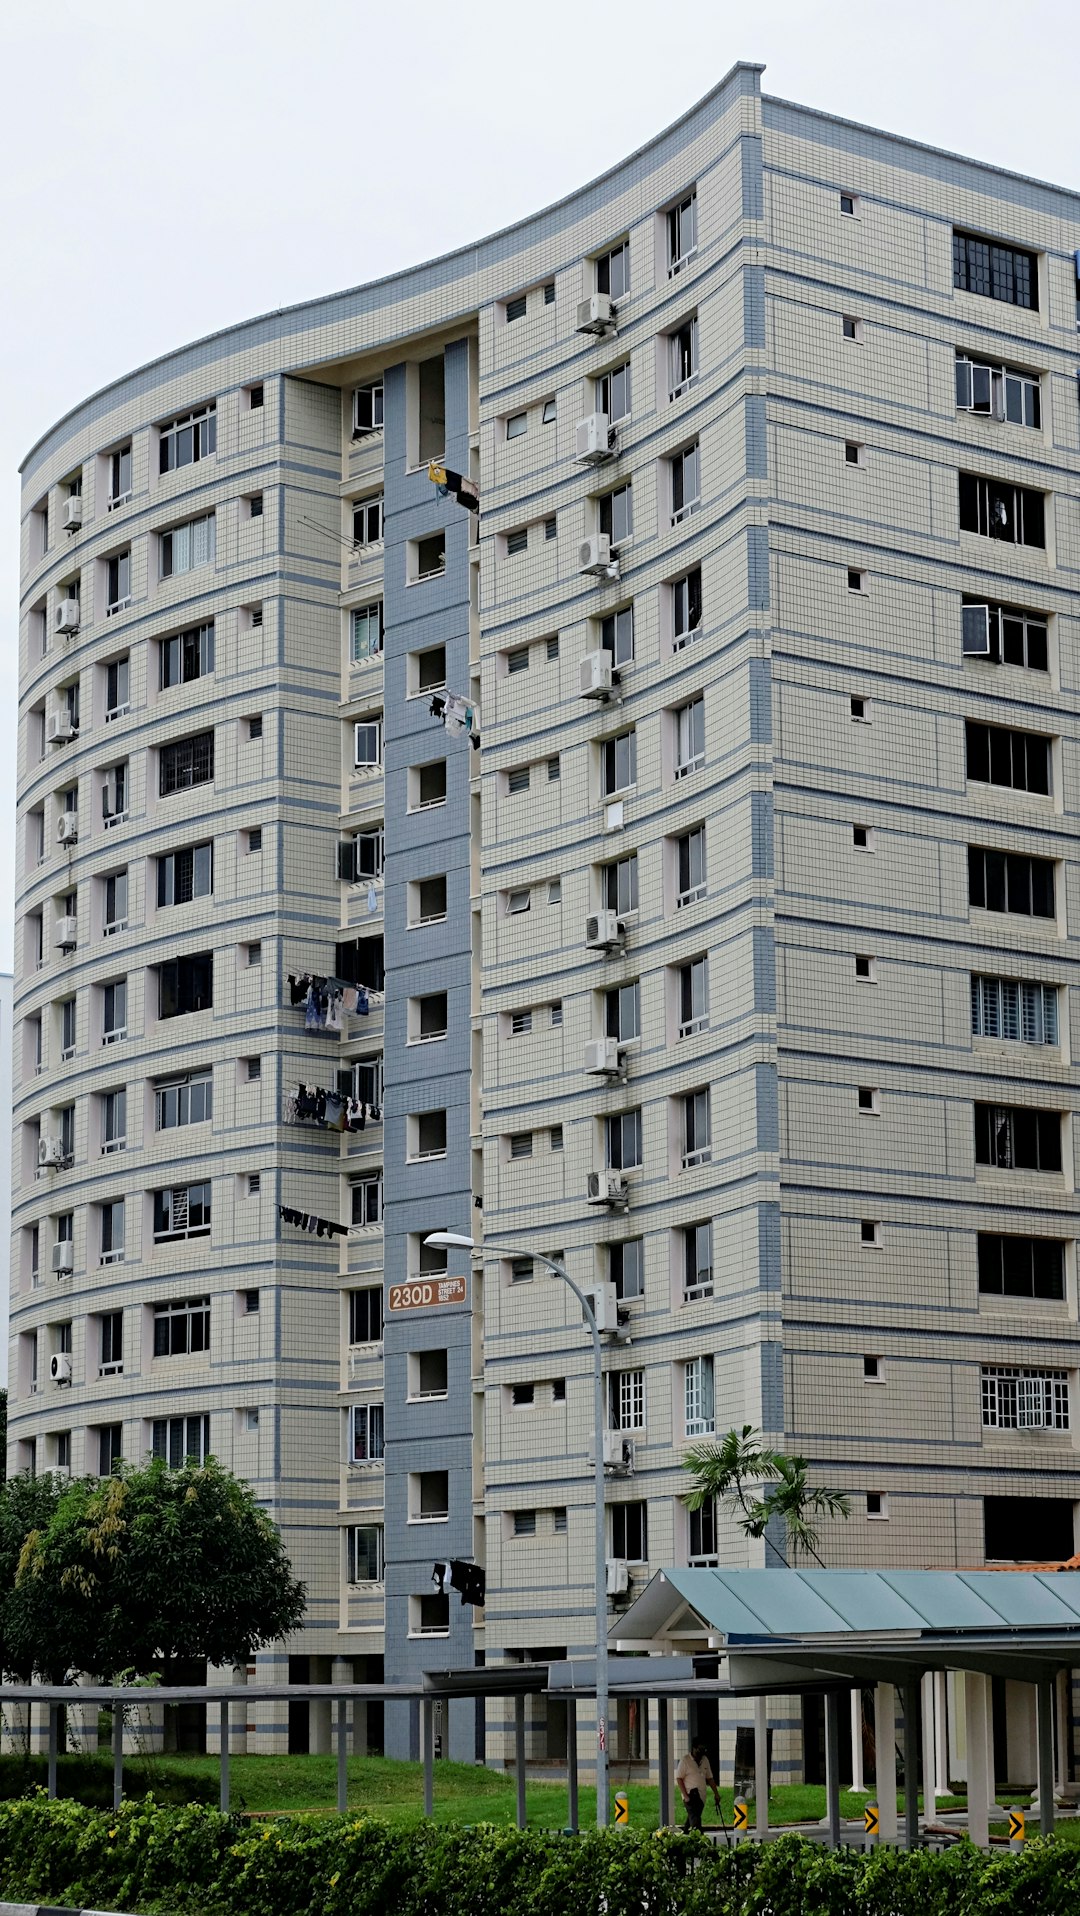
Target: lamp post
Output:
[{"x": 451, "y": 1240}]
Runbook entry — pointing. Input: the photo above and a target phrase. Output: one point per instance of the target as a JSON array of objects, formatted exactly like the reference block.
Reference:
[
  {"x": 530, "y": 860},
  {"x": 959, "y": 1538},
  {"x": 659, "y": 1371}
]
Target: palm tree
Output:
[{"x": 763, "y": 1484}]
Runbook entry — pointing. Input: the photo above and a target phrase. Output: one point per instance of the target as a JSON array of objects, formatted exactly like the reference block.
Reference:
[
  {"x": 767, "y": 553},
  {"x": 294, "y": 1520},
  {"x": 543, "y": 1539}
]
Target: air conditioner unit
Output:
[
  {"x": 596, "y": 557},
  {"x": 604, "y": 1299},
  {"x": 594, "y": 439},
  {"x": 618, "y": 1577},
  {"x": 618, "y": 1451},
  {"x": 603, "y": 931},
  {"x": 60, "y": 729},
  {"x": 67, "y": 828},
  {"x": 606, "y": 1187},
  {"x": 73, "y": 513},
  {"x": 60, "y": 1362},
  {"x": 597, "y": 675},
  {"x": 602, "y": 1057},
  {"x": 66, "y": 936},
  {"x": 50, "y": 1153},
  {"x": 63, "y": 1258},
  {"x": 67, "y": 616},
  {"x": 596, "y": 315}
]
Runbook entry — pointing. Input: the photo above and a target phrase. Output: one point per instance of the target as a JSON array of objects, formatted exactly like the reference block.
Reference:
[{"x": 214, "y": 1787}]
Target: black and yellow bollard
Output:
[
  {"x": 740, "y": 1817},
  {"x": 1017, "y": 1830},
  {"x": 622, "y": 1807},
  {"x": 871, "y": 1825}
]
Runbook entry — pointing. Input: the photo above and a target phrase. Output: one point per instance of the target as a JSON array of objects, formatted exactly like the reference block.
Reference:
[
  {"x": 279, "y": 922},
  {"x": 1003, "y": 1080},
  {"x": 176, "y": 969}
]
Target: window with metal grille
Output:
[
  {"x": 1010, "y": 881},
  {"x": 998, "y": 510},
  {"x": 118, "y": 581},
  {"x": 186, "y": 439},
  {"x": 185, "y": 875},
  {"x": 697, "y": 1261},
  {"x": 1007, "y": 273},
  {"x": 188, "y": 1100},
  {"x": 1001, "y": 755},
  {"x": 364, "y": 1560},
  {"x": 367, "y": 632},
  {"x": 181, "y": 1440},
  {"x": 117, "y": 687},
  {"x": 111, "y": 1326},
  {"x": 366, "y": 1434},
  {"x": 186, "y": 984},
  {"x": 1018, "y": 1399},
  {"x": 626, "y": 1399},
  {"x": 1021, "y": 1267},
  {"x": 1008, "y": 1008},
  {"x": 182, "y": 1328},
  {"x": 113, "y": 1121},
  {"x": 699, "y": 1405},
  {"x": 182, "y": 1210},
  {"x": 189, "y": 762},
  {"x": 187, "y": 655},
  {"x": 1017, "y": 1138},
  {"x": 114, "y": 1011},
  {"x": 189, "y": 545}
]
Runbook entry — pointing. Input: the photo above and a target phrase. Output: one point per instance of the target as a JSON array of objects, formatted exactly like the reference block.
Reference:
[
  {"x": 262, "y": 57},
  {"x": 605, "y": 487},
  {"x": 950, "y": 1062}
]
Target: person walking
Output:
[{"x": 694, "y": 1777}]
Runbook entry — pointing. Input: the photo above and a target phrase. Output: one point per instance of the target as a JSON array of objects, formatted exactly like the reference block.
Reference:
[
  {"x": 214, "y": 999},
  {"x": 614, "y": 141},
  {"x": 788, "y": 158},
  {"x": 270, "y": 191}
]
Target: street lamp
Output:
[{"x": 453, "y": 1241}]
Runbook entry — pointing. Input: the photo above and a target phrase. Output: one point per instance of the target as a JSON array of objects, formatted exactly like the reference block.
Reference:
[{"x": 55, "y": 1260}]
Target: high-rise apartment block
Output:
[{"x": 671, "y": 867}]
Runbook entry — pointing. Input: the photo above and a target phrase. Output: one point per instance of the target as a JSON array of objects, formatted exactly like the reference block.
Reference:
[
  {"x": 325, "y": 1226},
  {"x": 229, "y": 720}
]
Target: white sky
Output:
[{"x": 166, "y": 169}]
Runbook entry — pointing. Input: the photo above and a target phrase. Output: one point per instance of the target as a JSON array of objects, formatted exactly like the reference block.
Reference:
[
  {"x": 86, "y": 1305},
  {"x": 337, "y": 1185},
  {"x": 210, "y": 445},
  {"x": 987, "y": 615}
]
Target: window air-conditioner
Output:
[
  {"x": 67, "y": 828},
  {"x": 618, "y": 1451},
  {"x": 603, "y": 931},
  {"x": 594, "y": 439},
  {"x": 67, "y": 615},
  {"x": 63, "y": 1258},
  {"x": 596, "y": 315},
  {"x": 61, "y": 728},
  {"x": 60, "y": 1361},
  {"x": 66, "y": 936},
  {"x": 50, "y": 1153},
  {"x": 602, "y": 1057},
  {"x": 606, "y": 1187},
  {"x": 618, "y": 1577},
  {"x": 596, "y": 557},
  {"x": 73, "y": 513},
  {"x": 597, "y": 675}
]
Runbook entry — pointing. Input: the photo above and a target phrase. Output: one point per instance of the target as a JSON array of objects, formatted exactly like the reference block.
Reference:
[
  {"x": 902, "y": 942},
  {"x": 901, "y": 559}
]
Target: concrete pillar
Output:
[
  {"x": 978, "y": 1727},
  {"x": 341, "y": 1672},
  {"x": 1061, "y": 1771},
  {"x": 761, "y": 1765},
  {"x": 1046, "y": 1697},
  {"x": 832, "y": 1766},
  {"x": 928, "y": 1745},
  {"x": 572, "y": 1817},
  {"x": 427, "y": 1741},
  {"x": 664, "y": 1763},
  {"x": 941, "y": 1735},
  {"x": 885, "y": 1751},
  {"x": 320, "y": 1718},
  {"x": 519, "y": 1758},
  {"x": 911, "y": 1762},
  {"x": 858, "y": 1786}
]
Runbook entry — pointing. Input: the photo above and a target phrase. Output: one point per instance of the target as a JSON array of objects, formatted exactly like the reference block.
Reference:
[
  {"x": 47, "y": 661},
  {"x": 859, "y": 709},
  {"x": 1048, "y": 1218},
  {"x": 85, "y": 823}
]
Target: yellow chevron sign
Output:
[
  {"x": 741, "y": 1815},
  {"x": 622, "y": 1807},
  {"x": 872, "y": 1819},
  {"x": 1016, "y": 1826}
]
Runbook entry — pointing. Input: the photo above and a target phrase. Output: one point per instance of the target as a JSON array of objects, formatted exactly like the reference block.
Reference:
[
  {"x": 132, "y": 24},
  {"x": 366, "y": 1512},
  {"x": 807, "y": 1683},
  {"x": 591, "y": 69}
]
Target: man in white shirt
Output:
[{"x": 694, "y": 1777}]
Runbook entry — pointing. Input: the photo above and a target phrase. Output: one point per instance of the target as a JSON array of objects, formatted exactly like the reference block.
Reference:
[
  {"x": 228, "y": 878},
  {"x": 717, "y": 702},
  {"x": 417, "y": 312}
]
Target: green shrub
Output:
[
  {"x": 90, "y": 1779},
  {"x": 180, "y": 1862}
]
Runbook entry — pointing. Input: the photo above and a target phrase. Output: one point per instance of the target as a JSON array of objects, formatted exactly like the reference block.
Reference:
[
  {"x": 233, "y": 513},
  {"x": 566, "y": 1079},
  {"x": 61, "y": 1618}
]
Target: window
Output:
[
  {"x": 67, "y": 1028},
  {"x": 613, "y": 271},
  {"x": 850, "y": 327},
  {"x": 427, "y": 1135},
  {"x": 516, "y": 307},
  {"x": 626, "y": 1268},
  {"x": 1008, "y": 1008},
  {"x": 518, "y": 659},
  {"x": 865, "y": 969},
  {"x": 183, "y": 1101},
  {"x": 1011, "y": 881},
  {"x": 853, "y": 453},
  {"x": 368, "y": 408},
  {"x": 182, "y": 1210},
  {"x": 366, "y": 1313},
  {"x": 114, "y": 1011},
  {"x": 517, "y": 425},
  {"x": 856, "y": 580},
  {"x": 110, "y": 1440},
  {"x": 189, "y": 545},
  {"x": 699, "y": 1404},
  {"x": 255, "y": 726},
  {"x": 187, "y": 655},
  {"x": 429, "y": 1017},
  {"x": 190, "y": 437},
  {"x": 1002, "y": 392},
  {"x": 429, "y": 669},
  {"x": 252, "y": 1069},
  {"x": 112, "y": 1343},
  {"x": 1000, "y": 755},
  {"x": 255, "y": 505},
  {"x": 870, "y": 1231},
  {"x": 702, "y": 1537},
  {"x": 685, "y": 483},
  {"x": 862, "y": 837},
  {"x": 549, "y": 293},
  {"x": 117, "y": 582},
  {"x": 427, "y": 1374},
  {"x": 1017, "y": 1138},
  {"x": 183, "y": 1328},
  {"x": 117, "y": 688},
  {"x": 430, "y": 901},
  {"x": 686, "y": 608},
  {"x": 366, "y": 1434},
  {"x": 629, "y": 1533},
  {"x": 681, "y": 237},
  {"x": 626, "y": 1399},
  {"x": 253, "y": 839},
  {"x": 616, "y": 514},
  {"x": 113, "y": 1121},
  {"x": 1017, "y": 1399},
  {"x": 872, "y": 1370},
  {"x": 998, "y": 510},
  {"x": 877, "y": 1504},
  {"x": 429, "y": 1496},
  {"x": 518, "y": 780},
  {"x": 697, "y": 1262},
  {"x": 622, "y": 1141},
  {"x": 696, "y": 1128},
  {"x": 554, "y": 772},
  {"x": 521, "y": 1023},
  {"x": 619, "y": 885},
  {"x": 517, "y": 542},
  {"x": 119, "y": 484},
  {"x": 618, "y": 763},
  {"x": 551, "y": 527},
  {"x": 523, "y": 1523},
  {"x": 114, "y": 797},
  {"x": 996, "y": 272},
  {"x": 622, "y": 1012},
  {"x": 860, "y": 710},
  {"x": 66, "y": 1116},
  {"x": 427, "y": 785},
  {"x": 364, "y": 1560},
  {"x": 617, "y": 635},
  {"x": 693, "y": 984},
  {"x": 430, "y": 1616},
  {"x": 252, "y": 1301},
  {"x": 366, "y": 632},
  {"x": 367, "y": 743},
  {"x": 520, "y": 1144},
  {"x": 683, "y": 350},
  {"x": 1021, "y": 1267},
  {"x": 184, "y": 875},
  {"x": 189, "y": 762},
  {"x": 1002, "y": 632},
  {"x": 431, "y": 556},
  {"x": 367, "y": 521},
  {"x": 367, "y": 1200},
  {"x": 690, "y": 737},
  {"x": 181, "y": 1440},
  {"x": 550, "y": 413},
  {"x": 848, "y": 205},
  {"x": 112, "y": 1231},
  {"x": 255, "y": 398},
  {"x": 869, "y": 1101},
  {"x": 690, "y": 866},
  {"x": 556, "y": 1013},
  {"x": 612, "y": 393}
]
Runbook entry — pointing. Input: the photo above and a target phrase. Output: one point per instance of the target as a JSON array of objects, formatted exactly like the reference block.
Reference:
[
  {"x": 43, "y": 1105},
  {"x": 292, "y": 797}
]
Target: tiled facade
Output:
[{"x": 785, "y": 801}]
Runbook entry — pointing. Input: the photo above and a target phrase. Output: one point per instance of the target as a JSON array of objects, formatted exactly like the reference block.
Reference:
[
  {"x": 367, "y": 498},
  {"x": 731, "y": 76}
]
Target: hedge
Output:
[
  {"x": 183, "y": 1861},
  {"x": 90, "y": 1778}
]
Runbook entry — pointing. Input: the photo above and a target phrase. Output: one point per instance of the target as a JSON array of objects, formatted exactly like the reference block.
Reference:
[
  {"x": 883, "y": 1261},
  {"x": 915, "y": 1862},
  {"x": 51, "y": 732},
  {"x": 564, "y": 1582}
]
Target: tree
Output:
[
  {"x": 3, "y": 1438},
  {"x": 27, "y": 1505},
  {"x": 735, "y": 1468},
  {"x": 154, "y": 1564}
]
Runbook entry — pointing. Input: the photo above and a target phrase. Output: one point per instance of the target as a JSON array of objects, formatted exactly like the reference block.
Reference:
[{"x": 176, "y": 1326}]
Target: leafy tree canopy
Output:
[
  {"x": 27, "y": 1505},
  {"x": 762, "y": 1484}
]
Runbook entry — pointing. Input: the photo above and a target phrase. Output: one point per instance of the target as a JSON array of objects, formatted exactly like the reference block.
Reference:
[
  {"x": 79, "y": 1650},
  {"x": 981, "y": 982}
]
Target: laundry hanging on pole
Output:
[
  {"x": 455, "y": 485},
  {"x": 307, "y": 1221},
  {"x": 457, "y": 715}
]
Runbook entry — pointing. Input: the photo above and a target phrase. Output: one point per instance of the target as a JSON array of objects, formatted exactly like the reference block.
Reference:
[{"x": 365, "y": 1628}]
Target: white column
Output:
[
  {"x": 761, "y": 1765},
  {"x": 941, "y": 1734},
  {"x": 929, "y": 1744},
  {"x": 858, "y": 1786},
  {"x": 1061, "y": 1769},
  {"x": 885, "y": 1752},
  {"x": 978, "y": 1723}
]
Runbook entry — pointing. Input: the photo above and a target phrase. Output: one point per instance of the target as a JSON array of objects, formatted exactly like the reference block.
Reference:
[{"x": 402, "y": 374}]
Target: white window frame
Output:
[{"x": 699, "y": 1396}]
